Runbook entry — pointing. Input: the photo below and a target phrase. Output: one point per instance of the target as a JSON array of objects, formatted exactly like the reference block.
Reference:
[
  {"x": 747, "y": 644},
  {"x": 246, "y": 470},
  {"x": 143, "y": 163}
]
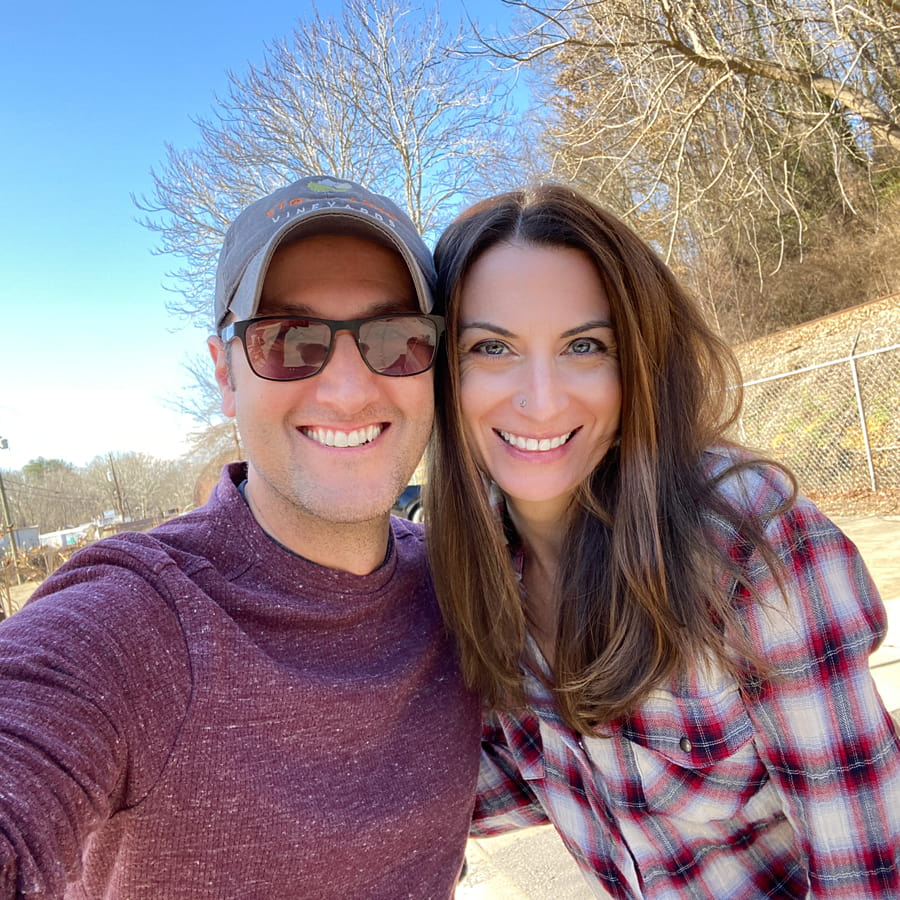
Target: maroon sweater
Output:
[{"x": 199, "y": 713}]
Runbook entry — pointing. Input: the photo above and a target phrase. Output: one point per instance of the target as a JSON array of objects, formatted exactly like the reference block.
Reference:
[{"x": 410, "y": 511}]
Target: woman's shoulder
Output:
[{"x": 750, "y": 484}]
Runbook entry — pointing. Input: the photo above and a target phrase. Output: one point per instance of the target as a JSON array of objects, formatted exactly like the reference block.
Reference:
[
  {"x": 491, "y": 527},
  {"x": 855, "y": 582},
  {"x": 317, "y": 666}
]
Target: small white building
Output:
[{"x": 65, "y": 537}]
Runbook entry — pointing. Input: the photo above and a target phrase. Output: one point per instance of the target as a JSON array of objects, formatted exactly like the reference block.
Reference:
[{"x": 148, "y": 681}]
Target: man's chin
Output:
[{"x": 355, "y": 510}]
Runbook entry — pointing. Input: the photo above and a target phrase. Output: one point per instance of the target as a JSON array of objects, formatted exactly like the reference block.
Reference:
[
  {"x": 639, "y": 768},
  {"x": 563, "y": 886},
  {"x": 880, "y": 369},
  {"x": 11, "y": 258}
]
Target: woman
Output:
[{"x": 674, "y": 644}]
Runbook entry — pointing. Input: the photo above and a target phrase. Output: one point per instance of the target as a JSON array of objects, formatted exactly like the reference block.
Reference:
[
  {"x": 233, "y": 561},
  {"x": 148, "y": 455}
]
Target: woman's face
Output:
[{"x": 541, "y": 394}]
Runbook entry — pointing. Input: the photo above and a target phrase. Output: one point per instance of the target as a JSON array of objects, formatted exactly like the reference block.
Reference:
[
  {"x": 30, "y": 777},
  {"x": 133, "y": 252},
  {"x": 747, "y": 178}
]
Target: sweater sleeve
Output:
[
  {"x": 823, "y": 733},
  {"x": 93, "y": 686}
]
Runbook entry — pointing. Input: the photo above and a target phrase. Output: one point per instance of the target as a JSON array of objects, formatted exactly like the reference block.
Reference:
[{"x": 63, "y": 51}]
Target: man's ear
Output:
[{"x": 221, "y": 358}]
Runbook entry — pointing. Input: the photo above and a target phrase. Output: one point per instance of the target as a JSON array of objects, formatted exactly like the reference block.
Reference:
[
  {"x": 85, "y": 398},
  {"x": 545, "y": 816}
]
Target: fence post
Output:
[{"x": 862, "y": 414}]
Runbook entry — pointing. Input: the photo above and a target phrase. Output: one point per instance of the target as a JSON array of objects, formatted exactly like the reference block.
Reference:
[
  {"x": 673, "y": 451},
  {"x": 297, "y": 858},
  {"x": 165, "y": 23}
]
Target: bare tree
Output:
[
  {"x": 201, "y": 400},
  {"x": 51, "y": 494},
  {"x": 216, "y": 437},
  {"x": 722, "y": 129},
  {"x": 216, "y": 440},
  {"x": 137, "y": 485},
  {"x": 380, "y": 95}
]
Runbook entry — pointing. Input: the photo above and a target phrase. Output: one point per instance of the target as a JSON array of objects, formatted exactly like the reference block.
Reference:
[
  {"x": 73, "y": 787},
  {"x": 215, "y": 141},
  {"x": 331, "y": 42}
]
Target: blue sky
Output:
[{"x": 92, "y": 91}]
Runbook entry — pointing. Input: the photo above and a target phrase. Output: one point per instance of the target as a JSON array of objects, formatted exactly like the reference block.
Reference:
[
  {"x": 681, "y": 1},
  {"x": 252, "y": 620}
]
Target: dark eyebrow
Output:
[
  {"x": 578, "y": 329},
  {"x": 486, "y": 326},
  {"x": 588, "y": 326}
]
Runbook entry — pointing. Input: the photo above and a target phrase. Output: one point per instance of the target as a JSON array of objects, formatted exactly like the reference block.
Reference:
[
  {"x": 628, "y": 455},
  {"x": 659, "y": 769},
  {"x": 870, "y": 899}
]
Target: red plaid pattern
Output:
[{"x": 789, "y": 789}]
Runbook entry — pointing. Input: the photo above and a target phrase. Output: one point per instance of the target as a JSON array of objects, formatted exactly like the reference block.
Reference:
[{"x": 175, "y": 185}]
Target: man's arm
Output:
[{"x": 79, "y": 681}]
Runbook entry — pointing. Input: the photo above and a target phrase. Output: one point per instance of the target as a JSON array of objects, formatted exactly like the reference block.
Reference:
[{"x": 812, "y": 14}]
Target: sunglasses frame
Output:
[{"x": 238, "y": 330}]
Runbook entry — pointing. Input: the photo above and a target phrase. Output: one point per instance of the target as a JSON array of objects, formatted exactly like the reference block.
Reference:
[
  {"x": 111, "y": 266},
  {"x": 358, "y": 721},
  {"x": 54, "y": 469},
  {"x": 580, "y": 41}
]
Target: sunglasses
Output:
[{"x": 288, "y": 348}]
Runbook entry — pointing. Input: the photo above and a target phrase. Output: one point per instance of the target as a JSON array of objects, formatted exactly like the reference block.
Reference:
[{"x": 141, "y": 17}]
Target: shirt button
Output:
[{"x": 685, "y": 745}]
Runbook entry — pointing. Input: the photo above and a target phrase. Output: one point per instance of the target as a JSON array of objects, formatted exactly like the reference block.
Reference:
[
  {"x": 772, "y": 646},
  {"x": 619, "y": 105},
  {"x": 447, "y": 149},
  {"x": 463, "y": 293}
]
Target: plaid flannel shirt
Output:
[{"x": 791, "y": 789}]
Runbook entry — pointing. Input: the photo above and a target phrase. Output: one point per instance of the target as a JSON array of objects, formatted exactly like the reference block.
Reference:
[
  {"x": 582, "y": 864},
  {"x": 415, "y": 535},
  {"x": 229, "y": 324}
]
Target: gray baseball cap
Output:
[{"x": 318, "y": 204}]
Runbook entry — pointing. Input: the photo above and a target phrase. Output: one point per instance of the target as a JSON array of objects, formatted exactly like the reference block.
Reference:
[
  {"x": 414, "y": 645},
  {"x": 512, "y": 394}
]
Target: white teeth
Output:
[
  {"x": 523, "y": 443},
  {"x": 331, "y": 438}
]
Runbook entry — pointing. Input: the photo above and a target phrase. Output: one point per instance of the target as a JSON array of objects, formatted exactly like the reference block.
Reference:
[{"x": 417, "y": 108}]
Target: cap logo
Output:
[
  {"x": 298, "y": 206},
  {"x": 324, "y": 185}
]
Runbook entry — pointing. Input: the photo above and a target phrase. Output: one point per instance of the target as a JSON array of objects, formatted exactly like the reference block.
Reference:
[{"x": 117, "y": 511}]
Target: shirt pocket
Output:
[{"x": 691, "y": 756}]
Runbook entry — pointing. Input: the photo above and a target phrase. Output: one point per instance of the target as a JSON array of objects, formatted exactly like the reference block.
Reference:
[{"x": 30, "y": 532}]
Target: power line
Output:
[{"x": 49, "y": 493}]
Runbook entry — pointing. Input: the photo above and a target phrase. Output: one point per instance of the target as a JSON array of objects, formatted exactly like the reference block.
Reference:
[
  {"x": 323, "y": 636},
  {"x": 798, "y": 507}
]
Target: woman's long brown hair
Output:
[{"x": 643, "y": 591}]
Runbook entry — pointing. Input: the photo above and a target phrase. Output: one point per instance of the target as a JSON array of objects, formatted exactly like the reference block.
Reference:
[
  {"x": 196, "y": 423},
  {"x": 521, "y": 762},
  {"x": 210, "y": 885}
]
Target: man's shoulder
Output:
[
  {"x": 224, "y": 502},
  {"x": 123, "y": 565},
  {"x": 411, "y": 553},
  {"x": 408, "y": 536},
  {"x": 130, "y": 563},
  {"x": 185, "y": 541}
]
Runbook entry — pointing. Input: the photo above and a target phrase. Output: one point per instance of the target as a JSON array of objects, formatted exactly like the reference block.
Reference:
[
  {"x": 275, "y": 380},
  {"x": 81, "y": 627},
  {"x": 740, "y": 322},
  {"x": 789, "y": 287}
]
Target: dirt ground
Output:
[{"x": 19, "y": 593}]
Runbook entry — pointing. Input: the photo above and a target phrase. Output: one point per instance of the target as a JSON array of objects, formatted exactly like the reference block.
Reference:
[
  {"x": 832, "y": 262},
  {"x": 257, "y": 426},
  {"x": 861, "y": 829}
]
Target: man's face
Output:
[{"x": 341, "y": 445}]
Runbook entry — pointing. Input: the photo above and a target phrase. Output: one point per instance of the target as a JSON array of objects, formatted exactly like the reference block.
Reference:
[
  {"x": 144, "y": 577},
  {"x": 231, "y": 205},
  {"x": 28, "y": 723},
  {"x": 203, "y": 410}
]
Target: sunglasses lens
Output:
[
  {"x": 398, "y": 345},
  {"x": 287, "y": 349},
  {"x": 291, "y": 349}
]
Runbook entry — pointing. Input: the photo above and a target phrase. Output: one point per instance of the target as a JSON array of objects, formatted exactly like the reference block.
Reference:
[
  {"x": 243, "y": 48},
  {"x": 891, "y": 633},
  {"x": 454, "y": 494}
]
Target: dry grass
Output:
[{"x": 870, "y": 326}]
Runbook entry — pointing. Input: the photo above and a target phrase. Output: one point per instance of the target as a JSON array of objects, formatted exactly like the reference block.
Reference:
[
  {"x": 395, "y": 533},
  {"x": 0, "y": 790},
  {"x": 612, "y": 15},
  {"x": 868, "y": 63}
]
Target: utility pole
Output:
[
  {"x": 7, "y": 523},
  {"x": 115, "y": 480}
]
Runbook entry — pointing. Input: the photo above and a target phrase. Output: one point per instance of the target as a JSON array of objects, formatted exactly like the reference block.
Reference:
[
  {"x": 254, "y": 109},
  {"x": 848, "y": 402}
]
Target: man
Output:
[{"x": 257, "y": 699}]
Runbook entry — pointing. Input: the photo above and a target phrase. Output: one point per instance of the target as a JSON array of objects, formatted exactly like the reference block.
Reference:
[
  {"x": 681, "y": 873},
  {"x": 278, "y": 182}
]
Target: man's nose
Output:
[{"x": 346, "y": 381}]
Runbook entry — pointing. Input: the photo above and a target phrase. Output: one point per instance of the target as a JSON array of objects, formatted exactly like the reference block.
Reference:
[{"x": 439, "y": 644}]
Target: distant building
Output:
[
  {"x": 26, "y": 539},
  {"x": 65, "y": 537}
]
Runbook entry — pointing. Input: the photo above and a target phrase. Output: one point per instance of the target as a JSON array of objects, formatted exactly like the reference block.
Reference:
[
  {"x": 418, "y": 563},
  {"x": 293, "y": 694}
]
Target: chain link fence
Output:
[{"x": 836, "y": 425}]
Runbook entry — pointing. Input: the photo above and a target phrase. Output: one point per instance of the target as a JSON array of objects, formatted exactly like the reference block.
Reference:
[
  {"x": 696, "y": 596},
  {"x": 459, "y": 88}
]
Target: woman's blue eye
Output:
[
  {"x": 582, "y": 346},
  {"x": 490, "y": 348}
]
